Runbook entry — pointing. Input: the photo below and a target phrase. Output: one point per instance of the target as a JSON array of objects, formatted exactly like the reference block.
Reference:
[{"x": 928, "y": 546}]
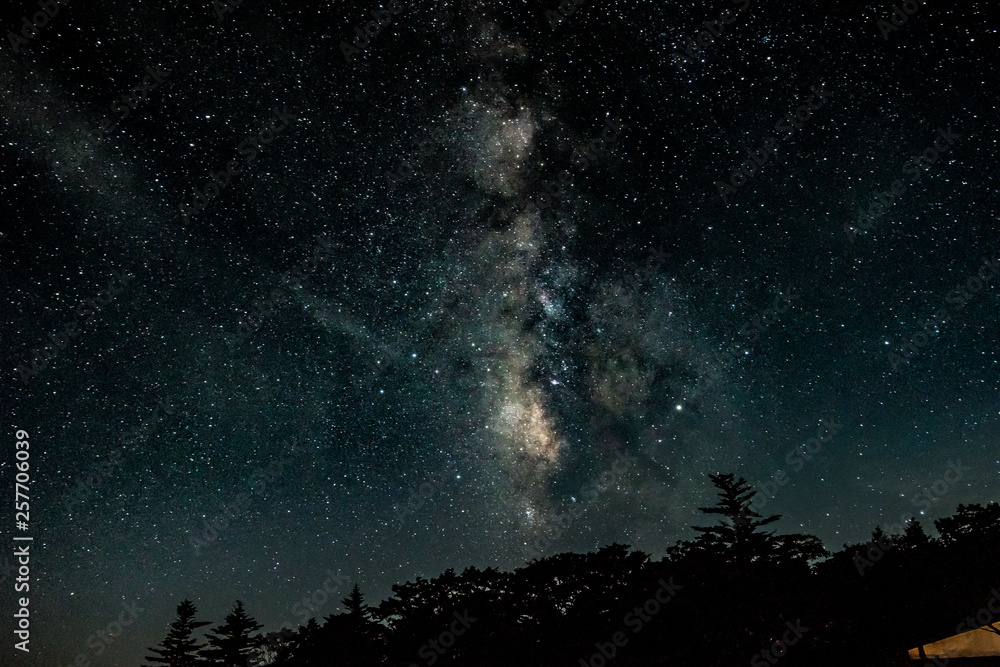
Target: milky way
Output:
[{"x": 483, "y": 276}]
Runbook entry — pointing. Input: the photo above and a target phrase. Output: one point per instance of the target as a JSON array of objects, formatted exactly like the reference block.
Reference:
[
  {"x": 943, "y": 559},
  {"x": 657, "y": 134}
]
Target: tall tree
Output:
[
  {"x": 180, "y": 649},
  {"x": 355, "y": 605},
  {"x": 236, "y": 642},
  {"x": 741, "y": 536},
  {"x": 354, "y": 634}
]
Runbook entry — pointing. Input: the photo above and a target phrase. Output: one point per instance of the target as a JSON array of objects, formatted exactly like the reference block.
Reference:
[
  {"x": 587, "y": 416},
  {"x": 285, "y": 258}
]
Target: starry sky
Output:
[{"x": 396, "y": 306}]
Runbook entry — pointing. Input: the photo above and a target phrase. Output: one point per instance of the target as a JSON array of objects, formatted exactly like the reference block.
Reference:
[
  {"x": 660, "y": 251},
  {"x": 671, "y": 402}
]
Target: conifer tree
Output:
[
  {"x": 355, "y": 605},
  {"x": 740, "y": 536},
  {"x": 235, "y": 642},
  {"x": 180, "y": 649}
]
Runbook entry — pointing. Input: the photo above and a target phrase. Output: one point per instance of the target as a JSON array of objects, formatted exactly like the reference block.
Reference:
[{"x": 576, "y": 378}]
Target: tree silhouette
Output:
[
  {"x": 235, "y": 642},
  {"x": 355, "y": 605},
  {"x": 740, "y": 537},
  {"x": 354, "y": 634},
  {"x": 914, "y": 536},
  {"x": 972, "y": 524},
  {"x": 301, "y": 648},
  {"x": 179, "y": 649},
  {"x": 746, "y": 592},
  {"x": 353, "y": 637}
]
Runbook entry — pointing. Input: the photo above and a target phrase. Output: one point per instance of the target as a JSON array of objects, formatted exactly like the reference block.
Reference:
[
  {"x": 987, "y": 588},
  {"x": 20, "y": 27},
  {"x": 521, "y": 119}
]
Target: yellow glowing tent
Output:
[{"x": 979, "y": 643}]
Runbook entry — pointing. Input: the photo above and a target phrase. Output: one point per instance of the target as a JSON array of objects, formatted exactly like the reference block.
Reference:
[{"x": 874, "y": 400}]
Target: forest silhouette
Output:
[{"x": 737, "y": 594}]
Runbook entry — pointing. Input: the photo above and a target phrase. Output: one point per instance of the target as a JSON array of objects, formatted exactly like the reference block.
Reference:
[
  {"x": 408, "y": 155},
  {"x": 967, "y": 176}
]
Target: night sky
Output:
[{"x": 483, "y": 257}]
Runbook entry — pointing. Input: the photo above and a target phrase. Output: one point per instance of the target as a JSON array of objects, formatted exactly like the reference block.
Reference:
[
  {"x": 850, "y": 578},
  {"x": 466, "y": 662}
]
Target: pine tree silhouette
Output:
[
  {"x": 235, "y": 642},
  {"x": 179, "y": 649},
  {"x": 741, "y": 536},
  {"x": 355, "y": 605}
]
